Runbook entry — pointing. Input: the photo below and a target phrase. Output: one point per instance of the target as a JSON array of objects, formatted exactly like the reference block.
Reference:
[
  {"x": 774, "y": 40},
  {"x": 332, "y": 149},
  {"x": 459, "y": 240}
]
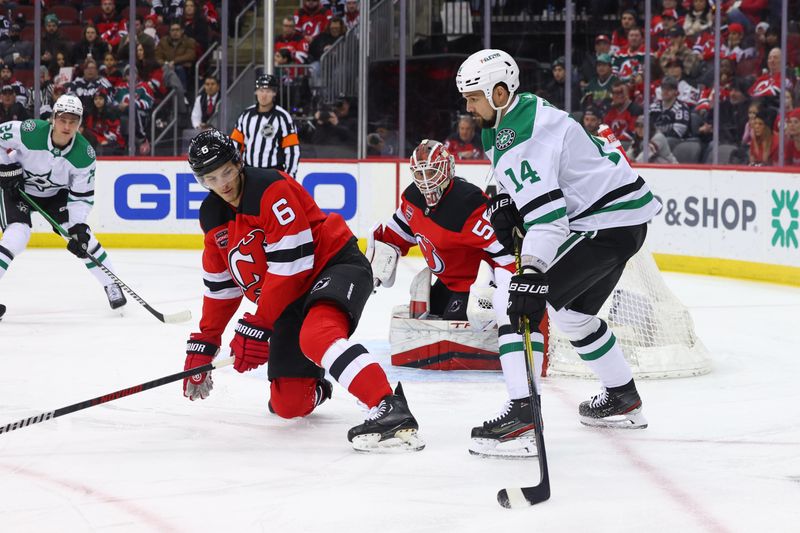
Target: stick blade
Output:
[
  {"x": 180, "y": 316},
  {"x": 517, "y": 498}
]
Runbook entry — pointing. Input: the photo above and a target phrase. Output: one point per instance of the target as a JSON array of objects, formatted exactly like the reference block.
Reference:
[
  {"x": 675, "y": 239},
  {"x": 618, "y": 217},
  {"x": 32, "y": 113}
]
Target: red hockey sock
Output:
[{"x": 323, "y": 339}]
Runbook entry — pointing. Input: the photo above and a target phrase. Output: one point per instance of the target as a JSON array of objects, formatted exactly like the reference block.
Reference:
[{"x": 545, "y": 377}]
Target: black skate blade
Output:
[
  {"x": 2, "y": 311},
  {"x": 518, "y": 498}
]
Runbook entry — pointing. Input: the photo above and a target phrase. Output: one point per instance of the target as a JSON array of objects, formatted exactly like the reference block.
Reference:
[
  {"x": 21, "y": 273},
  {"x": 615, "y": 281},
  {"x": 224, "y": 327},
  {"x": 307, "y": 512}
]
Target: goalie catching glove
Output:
[
  {"x": 198, "y": 353},
  {"x": 250, "y": 344},
  {"x": 527, "y": 298},
  {"x": 383, "y": 257}
]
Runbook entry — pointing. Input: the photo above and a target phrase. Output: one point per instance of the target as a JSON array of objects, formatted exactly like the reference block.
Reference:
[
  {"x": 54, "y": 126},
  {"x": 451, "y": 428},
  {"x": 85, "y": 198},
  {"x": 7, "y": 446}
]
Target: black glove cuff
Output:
[
  {"x": 250, "y": 331},
  {"x": 76, "y": 229},
  {"x": 201, "y": 347}
]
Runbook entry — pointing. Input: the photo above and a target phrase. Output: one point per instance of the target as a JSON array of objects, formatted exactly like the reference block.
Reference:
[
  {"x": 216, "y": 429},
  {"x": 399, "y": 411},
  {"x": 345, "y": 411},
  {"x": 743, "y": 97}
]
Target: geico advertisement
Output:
[
  {"x": 162, "y": 197},
  {"x": 746, "y": 216}
]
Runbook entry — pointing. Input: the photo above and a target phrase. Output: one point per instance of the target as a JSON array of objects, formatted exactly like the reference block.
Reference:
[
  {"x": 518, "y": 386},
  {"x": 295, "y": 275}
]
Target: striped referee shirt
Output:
[{"x": 268, "y": 139}]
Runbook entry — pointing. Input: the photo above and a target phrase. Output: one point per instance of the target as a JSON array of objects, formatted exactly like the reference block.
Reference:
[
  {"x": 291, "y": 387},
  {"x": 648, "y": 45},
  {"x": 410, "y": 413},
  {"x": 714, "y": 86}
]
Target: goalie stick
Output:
[
  {"x": 180, "y": 316},
  {"x": 512, "y": 498},
  {"x": 49, "y": 415}
]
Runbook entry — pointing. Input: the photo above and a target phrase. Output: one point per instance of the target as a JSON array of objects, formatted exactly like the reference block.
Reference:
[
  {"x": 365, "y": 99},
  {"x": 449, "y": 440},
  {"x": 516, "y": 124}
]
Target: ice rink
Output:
[{"x": 722, "y": 452}]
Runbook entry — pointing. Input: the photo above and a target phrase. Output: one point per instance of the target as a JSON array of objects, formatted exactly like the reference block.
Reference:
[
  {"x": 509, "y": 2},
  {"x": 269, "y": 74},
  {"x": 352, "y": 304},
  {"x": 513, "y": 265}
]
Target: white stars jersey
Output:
[
  {"x": 49, "y": 169},
  {"x": 561, "y": 178}
]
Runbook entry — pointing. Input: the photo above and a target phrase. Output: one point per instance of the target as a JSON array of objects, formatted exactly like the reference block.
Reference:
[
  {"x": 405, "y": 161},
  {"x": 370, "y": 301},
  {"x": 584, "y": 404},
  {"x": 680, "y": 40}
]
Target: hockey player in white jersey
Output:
[
  {"x": 584, "y": 211},
  {"x": 55, "y": 166}
]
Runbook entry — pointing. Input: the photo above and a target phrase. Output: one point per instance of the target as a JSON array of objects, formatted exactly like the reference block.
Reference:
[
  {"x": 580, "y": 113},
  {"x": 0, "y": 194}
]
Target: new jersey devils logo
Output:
[
  {"x": 248, "y": 264},
  {"x": 435, "y": 263}
]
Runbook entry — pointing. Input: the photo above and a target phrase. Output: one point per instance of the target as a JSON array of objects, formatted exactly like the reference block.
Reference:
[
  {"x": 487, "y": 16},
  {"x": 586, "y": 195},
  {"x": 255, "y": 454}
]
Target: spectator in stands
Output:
[
  {"x": 619, "y": 39},
  {"x": 735, "y": 46},
  {"x": 699, "y": 19},
  {"x": 195, "y": 25},
  {"x": 312, "y": 19},
  {"x": 598, "y": 90},
  {"x": 602, "y": 45},
  {"x": 110, "y": 24},
  {"x": 346, "y": 120},
  {"x": 768, "y": 85},
  {"x": 52, "y": 40},
  {"x": 659, "y": 150},
  {"x": 15, "y": 51},
  {"x": 292, "y": 40},
  {"x": 91, "y": 46},
  {"x": 687, "y": 93},
  {"x": 328, "y": 131},
  {"x": 110, "y": 69},
  {"x": 747, "y": 12},
  {"x": 168, "y": 10},
  {"x": 206, "y": 105},
  {"x": 629, "y": 61},
  {"x": 677, "y": 48},
  {"x": 89, "y": 83},
  {"x": 177, "y": 51},
  {"x": 668, "y": 20},
  {"x": 621, "y": 116},
  {"x": 325, "y": 40},
  {"x": 45, "y": 93},
  {"x": 5, "y": 20},
  {"x": 141, "y": 37},
  {"x": 151, "y": 28},
  {"x": 555, "y": 91},
  {"x": 763, "y": 142},
  {"x": 465, "y": 143},
  {"x": 733, "y": 112},
  {"x": 591, "y": 120},
  {"x": 7, "y": 79},
  {"x": 351, "y": 14},
  {"x": 11, "y": 109},
  {"x": 101, "y": 124},
  {"x": 375, "y": 145},
  {"x": 792, "y": 139},
  {"x": 668, "y": 114}
]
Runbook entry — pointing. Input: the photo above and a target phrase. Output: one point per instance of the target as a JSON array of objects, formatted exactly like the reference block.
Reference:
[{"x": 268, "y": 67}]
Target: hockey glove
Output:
[
  {"x": 11, "y": 177},
  {"x": 504, "y": 217},
  {"x": 250, "y": 344},
  {"x": 527, "y": 297},
  {"x": 198, "y": 353},
  {"x": 78, "y": 243}
]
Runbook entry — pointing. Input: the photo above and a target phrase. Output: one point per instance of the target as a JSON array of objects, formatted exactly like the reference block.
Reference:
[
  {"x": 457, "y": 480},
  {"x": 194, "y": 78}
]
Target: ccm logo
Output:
[{"x": 527, "y": 287}]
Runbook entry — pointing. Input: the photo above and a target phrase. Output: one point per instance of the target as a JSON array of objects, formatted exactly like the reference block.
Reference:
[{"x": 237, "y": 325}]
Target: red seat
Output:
[
  {"x": 141, "y": 11},
  {"x": 72, "y": 33},
  {"x": 28, "y": 33},
  {"x": 747, "y": 67},
  {"x": 66, "y": 14},
  {"x": 89, "y": 13},
  {"x": 27, "y": 12},
  {"x": 25, "y": 76}
]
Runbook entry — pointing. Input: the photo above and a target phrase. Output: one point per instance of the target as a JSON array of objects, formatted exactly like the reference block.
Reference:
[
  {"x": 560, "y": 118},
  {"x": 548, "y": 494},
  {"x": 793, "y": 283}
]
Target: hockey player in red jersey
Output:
[
  {"x": 266, "y": 239},
  {"x": 446, "y": 217}
]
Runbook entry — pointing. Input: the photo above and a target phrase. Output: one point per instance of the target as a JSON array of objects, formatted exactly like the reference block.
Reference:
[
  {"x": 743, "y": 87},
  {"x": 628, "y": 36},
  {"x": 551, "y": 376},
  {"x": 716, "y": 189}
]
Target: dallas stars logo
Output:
[
  {"x": 40, "y": 181},
  {"x": 785, "y": 219},
  {"x": 504, "y": 139}
]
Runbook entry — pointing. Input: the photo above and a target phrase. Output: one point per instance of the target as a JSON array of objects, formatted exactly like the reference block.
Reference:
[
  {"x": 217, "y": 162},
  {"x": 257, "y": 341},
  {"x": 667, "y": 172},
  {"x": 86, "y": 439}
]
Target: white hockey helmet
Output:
[
  {"x": 483, "y": 70},
  {"x": 68, "y": 103},
  {"x": 433, "y": 168}
]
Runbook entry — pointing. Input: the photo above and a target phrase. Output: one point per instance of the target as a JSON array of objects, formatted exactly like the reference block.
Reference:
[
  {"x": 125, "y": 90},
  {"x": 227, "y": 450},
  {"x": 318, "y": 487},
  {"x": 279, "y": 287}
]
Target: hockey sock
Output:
[
  {"x": 5, "y": 259},
  {"x": 323, "y": 339},
  {"x": 601, "y": 351},
  {"x": 15, "y": 239},
  {"x": 512, "y": 360},
  {"x": 102, "y": 257}
]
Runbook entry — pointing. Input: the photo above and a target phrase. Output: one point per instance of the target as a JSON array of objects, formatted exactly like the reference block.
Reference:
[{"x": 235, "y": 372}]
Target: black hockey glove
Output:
[
  {"x": 504, "y": 217},
  {"x": 527, "y": 297},
  {"x": 78, "y": 243},
  {"x": 11, "y": 177}
]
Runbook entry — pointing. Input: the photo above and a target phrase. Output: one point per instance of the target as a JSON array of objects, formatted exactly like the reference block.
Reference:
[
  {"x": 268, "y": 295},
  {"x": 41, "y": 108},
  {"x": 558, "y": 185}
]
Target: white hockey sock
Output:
[
  {"x": 601, "y": 351},
  {"x": 5, "y": 259},
  {"x": 512, "y": 360}
]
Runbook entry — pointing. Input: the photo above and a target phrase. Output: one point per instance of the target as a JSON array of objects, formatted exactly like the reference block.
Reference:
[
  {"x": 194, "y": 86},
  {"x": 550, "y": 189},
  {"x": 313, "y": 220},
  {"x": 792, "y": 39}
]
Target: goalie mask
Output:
[{"x": 433, "y": 168}]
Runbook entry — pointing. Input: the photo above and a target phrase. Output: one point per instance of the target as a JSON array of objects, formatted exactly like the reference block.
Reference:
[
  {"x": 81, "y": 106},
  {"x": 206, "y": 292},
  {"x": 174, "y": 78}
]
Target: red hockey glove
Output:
[
  {"x": 198, "y": 353},
  {"x": 250, "y": 344}
]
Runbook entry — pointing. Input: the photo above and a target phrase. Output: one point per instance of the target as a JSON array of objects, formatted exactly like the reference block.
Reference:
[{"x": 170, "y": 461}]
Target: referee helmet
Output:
[
  {"x": 209, "y": 150},
  {"x": 267, "y": 81}
]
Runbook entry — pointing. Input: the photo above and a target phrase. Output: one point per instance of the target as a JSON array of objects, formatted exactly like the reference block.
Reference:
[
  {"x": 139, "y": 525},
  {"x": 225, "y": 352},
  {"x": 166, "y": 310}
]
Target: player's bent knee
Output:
[
  {"x": 325, "y": 323},
  {"x": 16, "y": 237},
  {"x": 575, "y": 326},
  {"x": 293, "y": 397}
]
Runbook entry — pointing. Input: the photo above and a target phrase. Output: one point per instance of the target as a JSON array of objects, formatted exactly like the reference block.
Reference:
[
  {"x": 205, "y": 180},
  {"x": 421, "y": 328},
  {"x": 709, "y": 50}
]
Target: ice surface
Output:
[{"x": 722, "y": 452}]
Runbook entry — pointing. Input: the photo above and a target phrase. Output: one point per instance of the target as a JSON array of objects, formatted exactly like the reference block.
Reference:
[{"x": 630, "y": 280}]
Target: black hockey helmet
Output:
[
  {"x": 267, "y": 81},
  {"x": 209, "y": 150}
]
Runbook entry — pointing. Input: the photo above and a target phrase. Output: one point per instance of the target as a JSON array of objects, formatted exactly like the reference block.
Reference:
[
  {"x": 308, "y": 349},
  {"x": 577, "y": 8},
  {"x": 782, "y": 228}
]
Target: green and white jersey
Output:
[
  {"x": 49, "y": 169},
  {"x": 561, "y": 178}
]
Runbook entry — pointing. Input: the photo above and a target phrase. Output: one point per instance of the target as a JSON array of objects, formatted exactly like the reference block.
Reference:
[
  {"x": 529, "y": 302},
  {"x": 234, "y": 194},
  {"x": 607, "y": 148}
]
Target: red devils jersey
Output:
[
  {"x": 454, "y": 236},
  {"x": 269, "y": 249}
]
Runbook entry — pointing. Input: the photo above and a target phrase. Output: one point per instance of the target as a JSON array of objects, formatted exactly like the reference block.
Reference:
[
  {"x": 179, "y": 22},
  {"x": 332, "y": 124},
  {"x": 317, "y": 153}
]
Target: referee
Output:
[{"x": 265, "y": 131}]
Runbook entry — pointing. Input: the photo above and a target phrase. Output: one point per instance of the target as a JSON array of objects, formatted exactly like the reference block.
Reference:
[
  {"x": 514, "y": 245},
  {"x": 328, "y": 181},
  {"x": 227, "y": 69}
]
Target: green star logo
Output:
[
  {"x": 785, "y": 217},
  {"x": 505, "y": 138},
  {"x": 40, "y": 181}
]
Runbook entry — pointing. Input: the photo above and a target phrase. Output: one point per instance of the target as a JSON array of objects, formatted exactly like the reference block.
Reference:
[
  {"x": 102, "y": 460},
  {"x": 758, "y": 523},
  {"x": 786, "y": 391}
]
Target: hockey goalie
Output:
[{"x": 445, "y": 216}]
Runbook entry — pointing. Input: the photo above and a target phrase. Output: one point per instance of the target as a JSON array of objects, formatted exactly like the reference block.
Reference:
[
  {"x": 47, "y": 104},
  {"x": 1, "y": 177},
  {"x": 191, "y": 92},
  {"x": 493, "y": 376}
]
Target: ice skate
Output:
[
  {"x": 390, "y": 427},
  {"x": 323, "y": 391},
  {"x": 619, "y": 407},
  {"x": 116, "y": 298},
  {"x": 510, "y": 434},
  {"x": 2, "y": 311}
]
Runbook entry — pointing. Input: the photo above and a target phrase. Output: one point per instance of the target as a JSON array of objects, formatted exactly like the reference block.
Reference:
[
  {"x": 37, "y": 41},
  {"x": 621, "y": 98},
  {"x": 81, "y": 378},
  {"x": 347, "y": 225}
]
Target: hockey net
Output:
[{"x": 652, "y": 326}]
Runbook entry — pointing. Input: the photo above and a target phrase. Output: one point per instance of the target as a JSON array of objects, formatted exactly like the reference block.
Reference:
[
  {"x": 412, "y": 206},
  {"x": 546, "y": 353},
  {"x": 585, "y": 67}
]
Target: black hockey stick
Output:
[
  {"x": 180, "y": 316},
  {"x": 512, "y": 498},
  {"x": 49, "y": 415}
]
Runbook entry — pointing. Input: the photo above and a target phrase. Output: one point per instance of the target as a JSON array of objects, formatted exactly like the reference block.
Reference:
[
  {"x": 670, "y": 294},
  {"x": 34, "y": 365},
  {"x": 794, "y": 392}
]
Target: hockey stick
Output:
[
  {"x": 180, "y": 316},
  {"x": 513, "y": 498},
  {"x": 114, "y": 395}
]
